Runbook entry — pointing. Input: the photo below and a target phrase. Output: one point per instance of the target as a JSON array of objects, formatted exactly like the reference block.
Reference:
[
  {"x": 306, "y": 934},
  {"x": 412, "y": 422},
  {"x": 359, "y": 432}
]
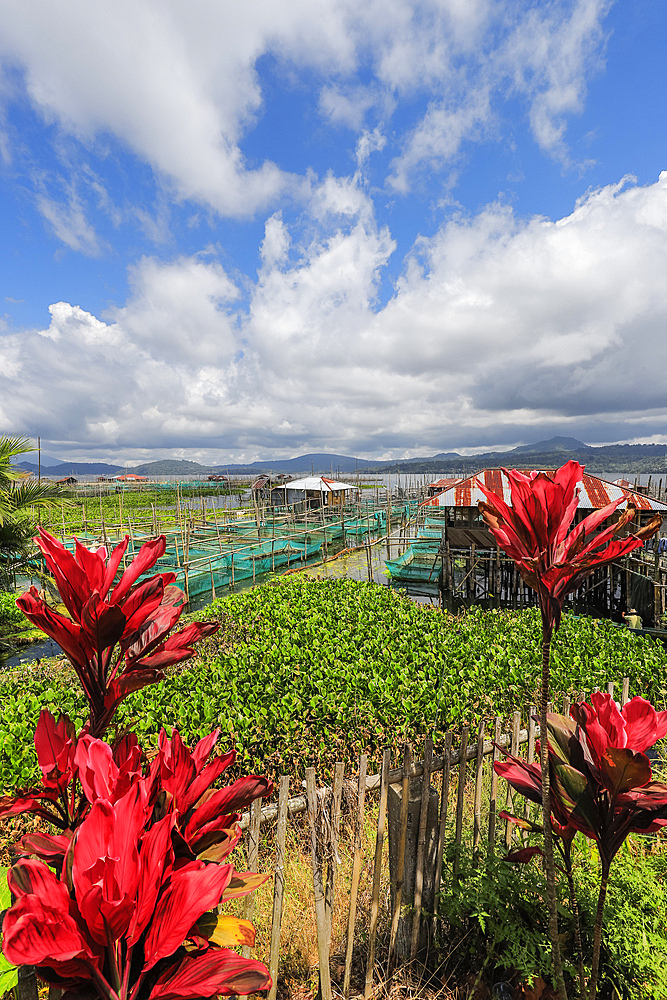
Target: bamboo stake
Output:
[
  {"x": 279, "y": 884},
  {"x": 334, "y": 860},
  {"x": 318, "y": 888},
  {"x": 421, "y": 847},
  {"x": 514, "y": 749},
  {"x": 253, "y": 852},
  {"x": 479, "y": 762},
  {"x": 460, "y": 799},
  {"x": 444, "y": 802},
  {"x": 26, "y": 988},
  {"x": 400, "y": 868},
  {"x": 377, "y": 871},
  {"x": 356, "y": 868},
  {"x": 494, "y": 788},
  {"x": 625, "y": 696}
]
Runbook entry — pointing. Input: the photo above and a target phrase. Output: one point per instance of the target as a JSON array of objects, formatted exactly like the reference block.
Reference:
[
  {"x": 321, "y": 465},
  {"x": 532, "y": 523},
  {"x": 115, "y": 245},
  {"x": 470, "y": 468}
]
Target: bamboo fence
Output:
[{"x": 469, "y": 800}]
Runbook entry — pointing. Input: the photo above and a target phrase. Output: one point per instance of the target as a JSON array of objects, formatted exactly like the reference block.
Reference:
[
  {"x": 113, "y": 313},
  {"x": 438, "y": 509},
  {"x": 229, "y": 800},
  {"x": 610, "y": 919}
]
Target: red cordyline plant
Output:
[
  {"x": 122, "y": 902},
  {"x": 117, "y": 633},
  {"x": 554, "y": 559},
  {"x": 600, "y": 784}
]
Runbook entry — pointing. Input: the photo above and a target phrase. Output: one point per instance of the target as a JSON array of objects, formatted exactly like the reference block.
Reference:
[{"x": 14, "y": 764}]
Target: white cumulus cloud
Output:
[{"x": 495, "y": 325}]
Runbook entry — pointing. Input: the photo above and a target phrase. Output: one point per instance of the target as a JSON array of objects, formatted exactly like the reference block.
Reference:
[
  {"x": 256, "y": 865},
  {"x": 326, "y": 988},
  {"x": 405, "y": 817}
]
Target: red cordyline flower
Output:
[
  {"x": 116, "y": 635},
  {"x": 554, "y": 559},
  {"x": 126, "y": 918},
  {"x": 207, "y": 818},
  {"x": 179, "y": 782},
  {"x": 535, "y": 533},
  {"x": 600, "y": 776}
]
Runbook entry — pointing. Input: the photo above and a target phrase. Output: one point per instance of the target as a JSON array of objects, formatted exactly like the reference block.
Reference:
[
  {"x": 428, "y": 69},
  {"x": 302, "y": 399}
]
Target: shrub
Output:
[{"x": 495, "y": 921}]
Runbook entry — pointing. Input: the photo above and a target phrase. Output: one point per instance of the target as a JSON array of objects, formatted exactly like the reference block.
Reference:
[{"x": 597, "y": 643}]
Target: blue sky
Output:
[{"x": 396, "y": 229}]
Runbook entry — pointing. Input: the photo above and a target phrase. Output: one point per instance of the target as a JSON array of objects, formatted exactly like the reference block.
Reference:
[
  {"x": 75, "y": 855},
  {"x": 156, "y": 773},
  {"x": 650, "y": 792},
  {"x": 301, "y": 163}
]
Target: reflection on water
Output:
[{"x": 37, "y": 651}]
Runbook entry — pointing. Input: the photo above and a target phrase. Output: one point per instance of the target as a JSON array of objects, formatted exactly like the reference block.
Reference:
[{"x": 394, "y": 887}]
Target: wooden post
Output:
[
  {"x": 318, "y": 887},
  {"x": 460, "y": 798},
  {"x": 279, "y": 884},
  {"x": 253, "y": 852},
  {"x": 493, "y": 801},
  {"x": 337, "y": 791},
  {"x": 444, "y": 802},
  {"x": 625, "y": 696},
  {"x": 398, "y": 897},
  {"x": 479, "y": 762},
  {"x": 356, "y": 869},
  {"x": 514, "y": 749},
  {"x": 421, "y": 847},
  {"x": 377, "y": 872},
  {"x": 530, "y": 752},
  {"x": 27, "y": 984}
]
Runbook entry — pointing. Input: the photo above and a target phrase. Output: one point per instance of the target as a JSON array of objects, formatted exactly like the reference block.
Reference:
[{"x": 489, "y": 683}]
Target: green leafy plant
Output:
[
  {"x": 8, "y": 973},
  {"x": 313, "y": 671},
  {"x": 494, "y": 925}
]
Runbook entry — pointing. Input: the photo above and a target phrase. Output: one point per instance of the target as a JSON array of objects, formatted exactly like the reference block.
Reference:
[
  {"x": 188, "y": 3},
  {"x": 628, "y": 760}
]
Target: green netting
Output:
[
  {"x": 373, "y": 523},
  {"x": 420, "y": 561},
  {"x": 221, "y": 569}
]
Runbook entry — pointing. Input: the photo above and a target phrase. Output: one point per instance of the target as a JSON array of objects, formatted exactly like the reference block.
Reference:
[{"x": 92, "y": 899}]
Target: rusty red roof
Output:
[
  {"x": 443, "y": 484},
  {"x": 594, "y": 493}
]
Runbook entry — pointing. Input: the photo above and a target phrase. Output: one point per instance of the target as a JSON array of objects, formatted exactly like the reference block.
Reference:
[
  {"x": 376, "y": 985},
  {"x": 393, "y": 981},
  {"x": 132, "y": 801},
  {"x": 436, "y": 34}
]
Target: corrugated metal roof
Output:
[
  {"x": 594, "y": 493},
  {"x": 443, "y": 484}
]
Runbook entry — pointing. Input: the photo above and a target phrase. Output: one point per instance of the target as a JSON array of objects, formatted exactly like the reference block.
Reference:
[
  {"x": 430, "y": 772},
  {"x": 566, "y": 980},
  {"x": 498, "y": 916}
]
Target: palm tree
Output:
[{"x": 19, "y": 497}]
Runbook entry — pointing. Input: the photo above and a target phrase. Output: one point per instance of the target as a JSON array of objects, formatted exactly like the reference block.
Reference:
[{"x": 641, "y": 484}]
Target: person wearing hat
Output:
[{"x": 631, "y": 618}]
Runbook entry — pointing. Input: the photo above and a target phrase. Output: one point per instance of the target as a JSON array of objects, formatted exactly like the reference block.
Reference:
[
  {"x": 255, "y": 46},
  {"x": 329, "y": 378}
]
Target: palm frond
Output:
[
  {"x": 42, "y": 495},
  {"x": 12, "y": 447}
]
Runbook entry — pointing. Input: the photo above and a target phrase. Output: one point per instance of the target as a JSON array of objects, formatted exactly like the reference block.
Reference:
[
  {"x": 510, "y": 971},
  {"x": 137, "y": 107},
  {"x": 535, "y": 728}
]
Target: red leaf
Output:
[
  {"x": 524, "y": 855},
  {"x": 192, "y": 891},
  {"x": 622, "y": 770},
  {"x": 217, "y": 972}
]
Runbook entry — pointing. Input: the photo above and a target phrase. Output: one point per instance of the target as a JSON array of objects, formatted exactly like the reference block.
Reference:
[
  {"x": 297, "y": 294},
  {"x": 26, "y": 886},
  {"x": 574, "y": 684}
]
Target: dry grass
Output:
[{"x": 298, "y": 977}]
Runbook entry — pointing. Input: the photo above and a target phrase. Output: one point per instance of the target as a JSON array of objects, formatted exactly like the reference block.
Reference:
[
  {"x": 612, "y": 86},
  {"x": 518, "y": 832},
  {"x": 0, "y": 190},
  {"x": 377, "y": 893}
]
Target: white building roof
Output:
[{"x": 319, "y": 483}]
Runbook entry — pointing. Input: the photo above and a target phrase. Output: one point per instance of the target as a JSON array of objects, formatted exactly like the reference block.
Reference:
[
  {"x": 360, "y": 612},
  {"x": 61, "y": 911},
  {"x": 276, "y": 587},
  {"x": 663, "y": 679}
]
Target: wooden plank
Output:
[
  {"x": 444, "y": 802},
  {"x": 421, "y": 847},
  {"x": 566, "y": 705},
  {"x": 514, "y": 749},
  {"x": 356, "y": 869},
  {"x": 479, "y": 773},
  {"x": 400, "y": 866},
  {"x": 377, "y": 872},
  {"x": 460, "y": 800},
  {"x": 278, "y": 884},
  {"x": 493, "y": 795},
  {"x": 318, "y": 888},
  {"x": 334, "y": 860}
]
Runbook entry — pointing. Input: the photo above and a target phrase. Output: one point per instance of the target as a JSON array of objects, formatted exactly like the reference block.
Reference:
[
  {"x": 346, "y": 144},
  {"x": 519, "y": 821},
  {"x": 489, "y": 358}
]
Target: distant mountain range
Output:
[
  {"x": 628, "y": 458},
  {"x": 71, "y": 469}
]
